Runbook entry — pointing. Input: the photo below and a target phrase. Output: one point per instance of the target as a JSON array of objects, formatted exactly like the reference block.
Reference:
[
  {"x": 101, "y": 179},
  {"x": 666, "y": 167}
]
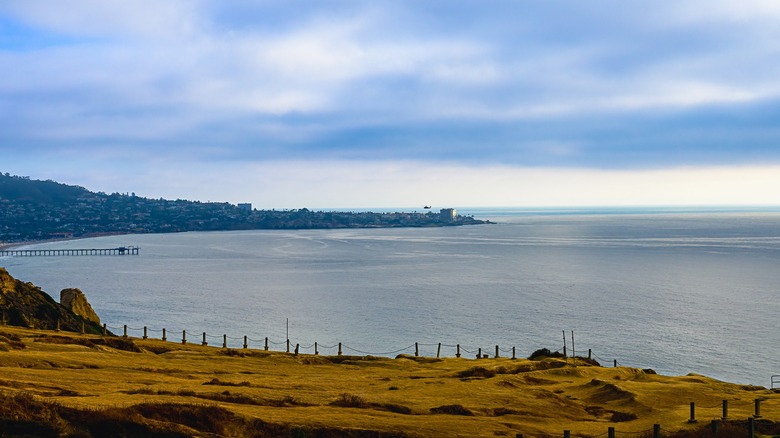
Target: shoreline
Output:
[{"x": 6, "y": 246}]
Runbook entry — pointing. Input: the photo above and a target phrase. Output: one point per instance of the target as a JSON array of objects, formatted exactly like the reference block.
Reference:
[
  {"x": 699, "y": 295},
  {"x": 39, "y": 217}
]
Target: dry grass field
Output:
[{"x": 67, "y": 384}]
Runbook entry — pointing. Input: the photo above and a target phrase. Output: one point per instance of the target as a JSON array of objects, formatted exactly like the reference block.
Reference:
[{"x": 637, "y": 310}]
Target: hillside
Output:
[
  {"x": 60, "y": 383},
  {"x": 64, "y": 383},
  {"x": 36, "y": 210},
  {"x": 26, "y": 305}
]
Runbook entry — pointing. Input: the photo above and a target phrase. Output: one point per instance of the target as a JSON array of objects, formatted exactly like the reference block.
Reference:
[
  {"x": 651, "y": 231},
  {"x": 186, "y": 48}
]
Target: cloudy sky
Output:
[{"x": 341, "y": 104}]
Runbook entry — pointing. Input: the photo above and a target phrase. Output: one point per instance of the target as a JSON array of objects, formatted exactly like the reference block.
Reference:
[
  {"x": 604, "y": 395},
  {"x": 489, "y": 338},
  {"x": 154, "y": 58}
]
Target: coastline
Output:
[{"x": 6, "y": 246}]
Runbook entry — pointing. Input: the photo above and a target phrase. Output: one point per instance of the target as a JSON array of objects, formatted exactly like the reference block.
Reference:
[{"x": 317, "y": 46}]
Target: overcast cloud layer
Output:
[{"x": 349, "y": 104}]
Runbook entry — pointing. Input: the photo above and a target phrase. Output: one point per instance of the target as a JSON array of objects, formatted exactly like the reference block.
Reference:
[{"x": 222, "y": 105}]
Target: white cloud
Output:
[{"x": 120, "y": 19}]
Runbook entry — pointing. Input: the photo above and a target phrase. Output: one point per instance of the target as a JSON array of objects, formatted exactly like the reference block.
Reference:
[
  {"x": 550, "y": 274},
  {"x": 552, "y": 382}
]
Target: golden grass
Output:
[{"x": 351, "y": 396}]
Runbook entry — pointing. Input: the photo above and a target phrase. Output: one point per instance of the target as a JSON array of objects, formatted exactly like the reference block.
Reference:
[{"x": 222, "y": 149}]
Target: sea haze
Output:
[{"x": 679, "y": 292}]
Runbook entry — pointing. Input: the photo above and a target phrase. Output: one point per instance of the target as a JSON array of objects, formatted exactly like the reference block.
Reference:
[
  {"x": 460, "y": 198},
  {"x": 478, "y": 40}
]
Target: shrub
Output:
[
  {"x": 350, "y": 401},
  {"x": 544, "y": 353},
  {"x": 452, "y": 410}
]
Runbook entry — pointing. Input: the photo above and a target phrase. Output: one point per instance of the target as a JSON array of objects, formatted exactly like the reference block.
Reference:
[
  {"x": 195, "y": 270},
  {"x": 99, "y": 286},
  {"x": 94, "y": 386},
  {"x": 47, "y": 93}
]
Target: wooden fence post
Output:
[
  {"x": 288, "y": 345},
  {"x": 145, "y": 333},
  {"x": 693, "y": 413},
  {"x": 183, "y": 337},
  {"x": 266, "y": 344},
  {"x": 614, "y": 364},
  {"x": 58, "y": 324},
  {"x": 566, "y": 434},
  {"x": 125, "y": 334},
  {"x": 316, "y": 350},
  {"x": 656, "y": 431},
  {"x": 496, "y": 351},
  {"x": 758, "y": 409},
  {"x": 105, "y": 330},
  {"x": 296, "y": 349},
  {"x": 224, "y": 341},
  {"x": 164, "y": 338},
  {"x": 246, "y": 344},
  {"x": 416, "y": 349},
  {"x": 479, "y": 353},
  {"x": 725, "y": 409},
  {"x": 751, "y": 427},
  {"x": 339, "y": 348},
  {"x": 457, "y": 351},
  {"x": 590, "y": 353},
  {"x": 438, "y": 351},
  {"x": 714, "y": 427},
  {"x": 514, "y": 356},
  {"x": 611, "y": 432},
  {"x": 204, "y": 343}
]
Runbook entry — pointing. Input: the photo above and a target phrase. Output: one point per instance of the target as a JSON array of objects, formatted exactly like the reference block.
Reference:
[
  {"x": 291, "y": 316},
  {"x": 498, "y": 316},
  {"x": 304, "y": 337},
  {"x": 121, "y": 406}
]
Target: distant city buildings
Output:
[
  {"x": 447, "y": 214},
  {"x": 245, "y": 206}
]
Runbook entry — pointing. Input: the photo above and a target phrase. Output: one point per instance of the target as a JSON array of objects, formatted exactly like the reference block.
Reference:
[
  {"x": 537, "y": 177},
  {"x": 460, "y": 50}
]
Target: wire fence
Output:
[
  {"x": 418, "y": 349},
  {"x": 722, "y": 407}
]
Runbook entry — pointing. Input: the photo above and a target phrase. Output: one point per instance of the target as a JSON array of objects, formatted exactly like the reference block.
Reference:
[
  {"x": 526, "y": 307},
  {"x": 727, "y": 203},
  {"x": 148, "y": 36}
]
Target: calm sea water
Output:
[{"x": 677, "y": 291}]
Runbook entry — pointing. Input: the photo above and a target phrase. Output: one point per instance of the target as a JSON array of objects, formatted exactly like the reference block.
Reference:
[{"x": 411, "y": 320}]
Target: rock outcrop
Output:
[
  {"x": 26, "y": 305},
  {"x": 75, "y": 301}
]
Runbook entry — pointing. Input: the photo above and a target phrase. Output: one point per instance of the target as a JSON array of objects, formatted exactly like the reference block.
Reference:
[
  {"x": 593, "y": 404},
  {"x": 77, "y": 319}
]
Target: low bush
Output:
[{"x": 452, "y": 410}]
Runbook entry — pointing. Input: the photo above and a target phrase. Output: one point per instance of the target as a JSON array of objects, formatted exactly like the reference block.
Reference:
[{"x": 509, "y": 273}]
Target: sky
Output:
[{"x": 402, "y": 103}]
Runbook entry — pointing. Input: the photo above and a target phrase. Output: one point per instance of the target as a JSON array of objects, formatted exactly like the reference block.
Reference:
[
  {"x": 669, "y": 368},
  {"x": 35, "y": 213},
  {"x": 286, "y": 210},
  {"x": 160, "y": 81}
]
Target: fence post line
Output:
[
  {"x": 339, "y": 348},
  {"x": 614, "y": 364},
  {"x": 566, "y": 434},
  {"x": 725, "y": 409},
  {"x": 590, "y": 353},
  {"x": 479, "y": 353},
  {"x": 316, "y": 350},
  {"x": 438, "y": 351},
  {"x": 514, "y": 356},
  {"x": 288, "y": 345},
  {"x": 693, "y": 413},
  {"x": 656, "y": 431},
  {"x": 296, "y": 349},
  {"x": 164, "y": 339},
  {"x": 125, "y": 334},
  {"x": 457, "y": 351},
  {"x": 246, "y": 344},
  {"x": 416, "y": 349},
  {"x": 496, "y": 351},
  {"x": 183, "y": 337},
  {"x": 751, "y": 427},
  {"x": 611, "y": 432},
  {"x": 145, "y": 333},
  {"x": 714, "y": 427},
  {"x": 758, "y": 409},
  {"x": 564, "y": 343},
  {"x": 224, "y": 341},
  {"x": 266, "y": 344},
  {"x": 204, "y": 343}
]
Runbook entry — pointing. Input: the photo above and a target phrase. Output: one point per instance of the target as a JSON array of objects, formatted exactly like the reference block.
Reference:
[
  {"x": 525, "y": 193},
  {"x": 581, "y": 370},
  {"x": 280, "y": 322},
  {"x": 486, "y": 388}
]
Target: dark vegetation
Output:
[
  {"x": 34, "y": 210},
  {"x": 356, "y": 401},
  {"x": 22, "y": 415}
]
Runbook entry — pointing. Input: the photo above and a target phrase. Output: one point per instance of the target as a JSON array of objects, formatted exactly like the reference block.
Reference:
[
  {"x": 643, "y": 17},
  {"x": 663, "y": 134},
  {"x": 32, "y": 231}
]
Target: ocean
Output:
[{"x": 676, "y": 290}]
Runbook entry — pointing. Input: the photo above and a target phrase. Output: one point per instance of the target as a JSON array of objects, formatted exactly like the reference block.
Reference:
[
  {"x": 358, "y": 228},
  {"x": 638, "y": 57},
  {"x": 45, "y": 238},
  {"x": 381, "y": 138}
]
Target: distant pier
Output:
[{"x": 122, "y": 250}]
